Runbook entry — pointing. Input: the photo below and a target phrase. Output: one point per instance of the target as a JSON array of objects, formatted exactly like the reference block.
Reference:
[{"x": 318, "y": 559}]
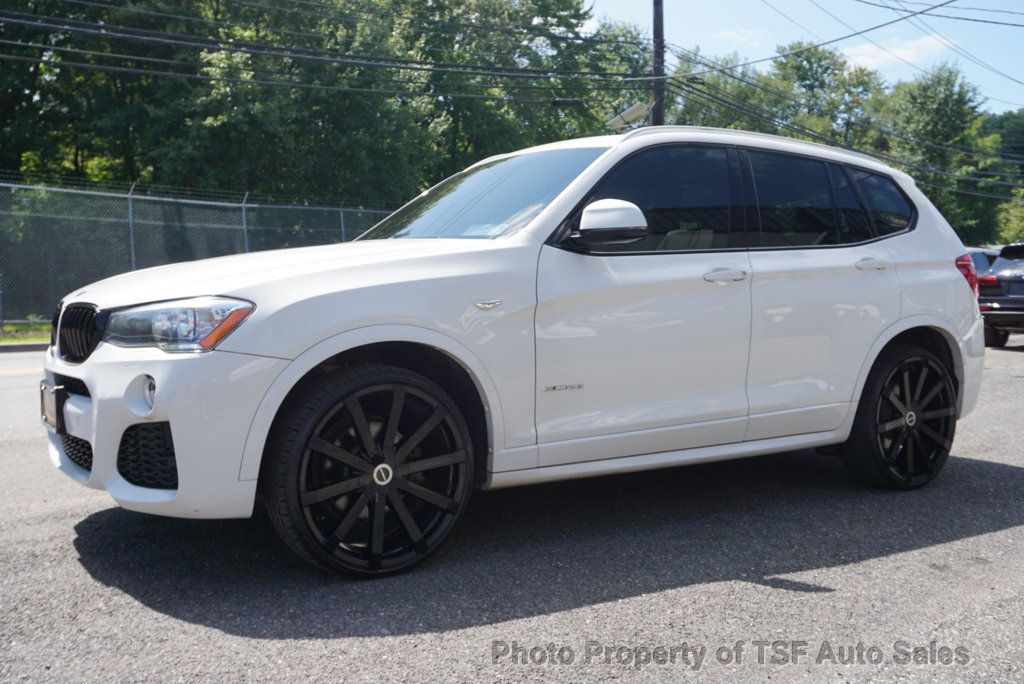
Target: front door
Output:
[{"x": 643, "y": 348}]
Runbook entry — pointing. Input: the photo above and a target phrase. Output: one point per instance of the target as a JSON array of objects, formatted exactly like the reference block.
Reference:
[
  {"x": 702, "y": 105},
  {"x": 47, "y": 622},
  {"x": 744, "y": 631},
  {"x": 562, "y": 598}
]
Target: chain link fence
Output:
[{"x": 54, "y": 240}]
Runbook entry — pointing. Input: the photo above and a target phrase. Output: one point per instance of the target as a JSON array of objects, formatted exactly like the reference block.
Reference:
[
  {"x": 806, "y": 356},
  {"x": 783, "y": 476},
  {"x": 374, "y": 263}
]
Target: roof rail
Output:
[{"x": 649, "y": 130}]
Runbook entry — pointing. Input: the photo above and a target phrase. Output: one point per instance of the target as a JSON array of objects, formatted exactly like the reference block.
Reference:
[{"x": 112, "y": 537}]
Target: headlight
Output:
[{"x": 184, "y": 325}]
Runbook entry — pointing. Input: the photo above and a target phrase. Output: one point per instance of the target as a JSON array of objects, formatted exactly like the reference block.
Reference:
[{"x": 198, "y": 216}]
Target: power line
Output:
[
  {"x": 719, "y": 67},
  {"x": 245, "y": 81},
  {"x": 932, "y": 33},
  {"x": 320, "y": 37},
  {"x": 257, "y": 48},
  {"x": 691, "y": 55},
  {"x": 869, "y": 38},
  {"x": 890, "y": 52},
  {"x": 1005, "y": 198},
  {"x": 167, "y": 15},
  {"x": 273, "y": 72},
  {"x": 346, "y": 18},
  {"x": 797, "y": 51},
  {"x": 820, "y": 137},
  {"x": 930, "y": 168},
  {"x": 708, "y": 98},
  {"x": 351, "y": 19},
  {"x": 321, "y": 86},
  {"x": 961, "y": 8},
  {"x": 609, "y": 86},
  {"x": 948, "y": 16},
  {"x": 490, "y": 27},
  {"x": 1007, "y": 158},
  {"x": 896, "y": 56},
  {"x": 919, "y": 69},
  {"x": 794, "y": 21},
  {"x": 866, "y": 37}
]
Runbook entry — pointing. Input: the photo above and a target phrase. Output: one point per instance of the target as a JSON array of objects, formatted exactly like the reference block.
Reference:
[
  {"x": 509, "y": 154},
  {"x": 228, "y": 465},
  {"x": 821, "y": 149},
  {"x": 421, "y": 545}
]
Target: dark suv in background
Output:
[
  {"x": 983, "y": 257},
  {"x": 1001, "y": 293}
]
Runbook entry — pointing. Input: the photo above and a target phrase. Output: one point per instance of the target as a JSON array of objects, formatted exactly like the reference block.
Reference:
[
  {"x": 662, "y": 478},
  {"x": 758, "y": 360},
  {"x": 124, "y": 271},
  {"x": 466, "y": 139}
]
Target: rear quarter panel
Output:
[{"x": 933, "y": 287}]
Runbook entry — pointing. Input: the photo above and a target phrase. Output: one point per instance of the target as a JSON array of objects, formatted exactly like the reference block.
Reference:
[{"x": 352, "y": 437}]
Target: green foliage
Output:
[
  {"x": 314, "y": 140},
  {"x": 1009, "y": 126},
  {"x": 941, "y": 106},
  {"x": 310, "y": 140},
  {"x": 1011, "y": 218}
]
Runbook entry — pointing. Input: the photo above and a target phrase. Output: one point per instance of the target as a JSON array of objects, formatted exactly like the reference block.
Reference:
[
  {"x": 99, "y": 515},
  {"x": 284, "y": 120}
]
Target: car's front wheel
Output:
[
  {"x": 905, "y": 420},
  {"x": 368, "y": 471}
]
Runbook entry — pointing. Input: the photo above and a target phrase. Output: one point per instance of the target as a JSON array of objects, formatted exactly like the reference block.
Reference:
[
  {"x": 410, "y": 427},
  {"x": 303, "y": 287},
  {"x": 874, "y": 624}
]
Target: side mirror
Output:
[{"x": 610, "y": 222}]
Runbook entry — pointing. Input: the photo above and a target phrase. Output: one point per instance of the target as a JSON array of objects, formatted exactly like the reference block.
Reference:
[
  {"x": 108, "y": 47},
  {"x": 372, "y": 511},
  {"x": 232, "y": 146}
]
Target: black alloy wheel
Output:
[
  {"x": 916, "y": 420},
  {"x": 905, "y": 422},
  {"x": 374, "y": 471}
]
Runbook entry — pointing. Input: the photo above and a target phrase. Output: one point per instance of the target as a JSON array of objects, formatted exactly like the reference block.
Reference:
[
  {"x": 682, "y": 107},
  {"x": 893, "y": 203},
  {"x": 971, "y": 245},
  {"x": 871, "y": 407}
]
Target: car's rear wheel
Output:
[
  {"x": 905, "y": 421},
  {"x": 369, "y": 470},
  {"x": 995, "y": 338}
]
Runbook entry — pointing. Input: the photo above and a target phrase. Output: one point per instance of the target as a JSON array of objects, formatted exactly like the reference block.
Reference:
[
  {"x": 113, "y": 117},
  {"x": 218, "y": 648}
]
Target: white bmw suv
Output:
[{"x": 669, "y": 296}]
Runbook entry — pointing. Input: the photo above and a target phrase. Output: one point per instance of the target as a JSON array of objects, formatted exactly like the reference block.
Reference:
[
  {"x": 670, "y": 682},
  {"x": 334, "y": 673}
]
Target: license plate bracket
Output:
[{"x": 51, "y": 406}]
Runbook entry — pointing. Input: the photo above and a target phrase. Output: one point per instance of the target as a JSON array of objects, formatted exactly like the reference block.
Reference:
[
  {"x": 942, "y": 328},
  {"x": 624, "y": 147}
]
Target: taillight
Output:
[
  {"x": 988, "y": 280},
  {"x": 966, "y": 266}
]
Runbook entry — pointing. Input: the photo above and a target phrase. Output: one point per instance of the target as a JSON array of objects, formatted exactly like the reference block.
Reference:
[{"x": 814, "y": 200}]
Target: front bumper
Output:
[{"x": 209, "y": 400}]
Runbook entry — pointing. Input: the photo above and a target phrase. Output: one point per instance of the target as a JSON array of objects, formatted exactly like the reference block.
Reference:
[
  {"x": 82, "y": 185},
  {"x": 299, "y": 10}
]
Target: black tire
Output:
[
  {"x": 995, "y": 338},
  {"x": 368, "y": 470},
  {"x": 896, "y": 443}
]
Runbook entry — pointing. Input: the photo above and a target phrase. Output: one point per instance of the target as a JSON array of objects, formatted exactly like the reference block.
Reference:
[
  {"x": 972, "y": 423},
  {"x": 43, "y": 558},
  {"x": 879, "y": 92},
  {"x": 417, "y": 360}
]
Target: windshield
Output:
[{"x": 488, "y": 200}]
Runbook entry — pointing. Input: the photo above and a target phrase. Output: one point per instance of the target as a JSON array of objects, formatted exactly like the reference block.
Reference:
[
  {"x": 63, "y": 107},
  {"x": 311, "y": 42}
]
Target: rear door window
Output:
[
  {"x": 794, "y": 199},
  {"x": 854, "y": 225}
]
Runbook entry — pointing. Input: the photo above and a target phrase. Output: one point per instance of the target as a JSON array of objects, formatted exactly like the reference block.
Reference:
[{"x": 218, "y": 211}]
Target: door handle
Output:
[
  {"x": 872, "y": 264},
  {"x": 723, "y": 274}
]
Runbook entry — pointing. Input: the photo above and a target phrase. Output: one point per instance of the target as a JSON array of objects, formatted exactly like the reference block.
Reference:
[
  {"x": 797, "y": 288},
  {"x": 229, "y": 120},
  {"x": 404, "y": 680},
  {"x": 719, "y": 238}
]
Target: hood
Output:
[{"x": 236, "y": 274}]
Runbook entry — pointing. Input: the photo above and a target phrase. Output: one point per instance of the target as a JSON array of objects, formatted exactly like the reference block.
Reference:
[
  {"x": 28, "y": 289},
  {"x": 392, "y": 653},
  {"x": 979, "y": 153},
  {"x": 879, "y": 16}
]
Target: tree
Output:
[
  {"x": 324, "y": 132},
  {"x": 1010, "y": 128},
  {"x": 937, "y": 121},
  {"x": 1011, "y": 218}
]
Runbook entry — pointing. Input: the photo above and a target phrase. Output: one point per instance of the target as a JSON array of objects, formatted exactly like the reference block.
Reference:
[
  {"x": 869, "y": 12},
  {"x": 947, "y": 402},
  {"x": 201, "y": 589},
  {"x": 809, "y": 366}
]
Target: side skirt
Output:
[{"x": 665, "y": 459}]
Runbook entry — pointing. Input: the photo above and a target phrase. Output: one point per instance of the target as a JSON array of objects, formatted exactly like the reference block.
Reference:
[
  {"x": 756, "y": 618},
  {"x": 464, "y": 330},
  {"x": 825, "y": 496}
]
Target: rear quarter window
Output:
[{"x": 889, "y": 207}]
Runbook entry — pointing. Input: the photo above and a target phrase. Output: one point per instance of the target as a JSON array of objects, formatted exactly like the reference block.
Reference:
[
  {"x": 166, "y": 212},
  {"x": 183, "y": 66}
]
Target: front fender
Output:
[{"x": 259, "y": 429}]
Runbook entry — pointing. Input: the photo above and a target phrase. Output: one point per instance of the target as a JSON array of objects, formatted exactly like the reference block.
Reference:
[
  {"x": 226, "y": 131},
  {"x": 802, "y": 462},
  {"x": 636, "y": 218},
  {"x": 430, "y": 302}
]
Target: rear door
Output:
[{"x": 824, "y": 288}]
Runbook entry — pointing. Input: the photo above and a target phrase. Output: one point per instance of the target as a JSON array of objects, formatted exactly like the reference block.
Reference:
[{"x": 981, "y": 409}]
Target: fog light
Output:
[{"x": 150, "y": 392}]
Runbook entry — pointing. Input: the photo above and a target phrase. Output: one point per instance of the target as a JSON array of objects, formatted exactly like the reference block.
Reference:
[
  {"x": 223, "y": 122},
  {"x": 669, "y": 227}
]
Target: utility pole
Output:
[
  {"x": 131, "y": 222},
  {"x": 658, "y": 84}
]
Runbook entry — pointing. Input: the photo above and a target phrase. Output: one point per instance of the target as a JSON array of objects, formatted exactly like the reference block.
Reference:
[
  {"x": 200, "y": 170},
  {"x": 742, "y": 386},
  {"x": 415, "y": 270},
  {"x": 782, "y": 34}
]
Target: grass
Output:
[{"x": 22, "y": 333}]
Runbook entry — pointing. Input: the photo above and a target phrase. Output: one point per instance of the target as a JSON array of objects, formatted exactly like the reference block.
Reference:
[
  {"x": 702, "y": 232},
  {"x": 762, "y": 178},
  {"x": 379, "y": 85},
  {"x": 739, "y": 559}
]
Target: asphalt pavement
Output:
[{"x": 773, "y": 567}]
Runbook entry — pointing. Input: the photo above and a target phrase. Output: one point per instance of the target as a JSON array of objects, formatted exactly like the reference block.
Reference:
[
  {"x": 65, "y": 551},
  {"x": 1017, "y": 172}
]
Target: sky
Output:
[{"x": 752, "y": 29}]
